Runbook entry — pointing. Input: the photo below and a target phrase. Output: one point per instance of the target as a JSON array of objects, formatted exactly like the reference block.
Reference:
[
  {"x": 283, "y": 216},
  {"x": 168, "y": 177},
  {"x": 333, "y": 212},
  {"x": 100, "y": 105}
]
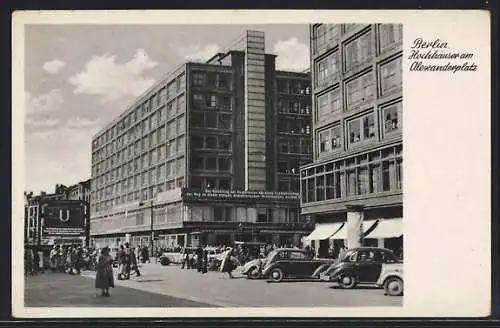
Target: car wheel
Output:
[
  {"x": 276, "y": 275},
  {"x": 253, "y": 273},
  {"x": 393, "y": 286},
  {"x": 347, "y": 281}
]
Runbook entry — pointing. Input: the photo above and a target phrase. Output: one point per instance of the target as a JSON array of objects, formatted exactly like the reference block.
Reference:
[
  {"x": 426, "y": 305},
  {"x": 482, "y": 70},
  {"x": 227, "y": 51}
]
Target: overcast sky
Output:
[{"x": 79, "y": 77}]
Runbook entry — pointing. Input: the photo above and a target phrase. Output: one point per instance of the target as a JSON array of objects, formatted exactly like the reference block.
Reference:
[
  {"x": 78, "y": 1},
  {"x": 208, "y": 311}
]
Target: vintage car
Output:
[
  {"x": 391, "y": 279},
  {"x": 363, "y": 265},
  {"x": 178, "y": 257},
  {"x": 286, "y": 263}
]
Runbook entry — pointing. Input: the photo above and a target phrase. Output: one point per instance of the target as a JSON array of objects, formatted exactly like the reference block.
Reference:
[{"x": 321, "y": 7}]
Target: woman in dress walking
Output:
[{"x": 104, "y": 276}]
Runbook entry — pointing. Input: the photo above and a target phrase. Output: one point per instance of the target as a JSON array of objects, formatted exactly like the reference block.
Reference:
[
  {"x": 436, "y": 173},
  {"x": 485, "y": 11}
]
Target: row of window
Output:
[
  {"x": 203, "y": 182},
  {"x": 211, "y": 120},
  {"x": 155, "y": 100},
  {"x": 291, "y": 165},
  {"x": 212, "y": 101},
  {"x": 139, "y": 195},
  {"x": 232, "y": 214},
  {"x": 212, "y": 80},
  {"x": 288, "y": 185},
  {"x": 361, "y": 128},
  {"x": 328, "y": 36},
  {"x": 114, "y": 153},
  {"x": 211, "y": 163},
  {"x": 294, "y": 106},
  {"x": 297, "y": 87},
  {"x": 295, "y": 145},
  {"x": 294, "y": 125},
  {"x": 137, "y": 160},
  {"x": 220, "y": 142},
  {"x": 360, "y": 91},
  {"x": 379, "y": 175},
  {"x": 164, "y": 171}
]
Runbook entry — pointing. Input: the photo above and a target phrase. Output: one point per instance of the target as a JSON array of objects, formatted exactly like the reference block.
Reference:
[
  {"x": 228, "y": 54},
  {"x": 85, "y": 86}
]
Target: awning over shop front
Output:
[
  {"x": 387, "y": 228},
  {"x": 342, "y": 233},
  {"x": 324, "y": 231}
]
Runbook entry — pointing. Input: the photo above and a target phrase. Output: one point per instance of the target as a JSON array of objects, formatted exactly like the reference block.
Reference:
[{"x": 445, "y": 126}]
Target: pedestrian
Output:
[
  {"x": 120, "y": 257},
  {"x": 227, "y": 264},
  {"x": 133, "y": 262},
  {"x": 54, "y": 254},
  {"x": 104, "y": 276},
  {"x": 28, "y": 260},
  {"x": 199, "y": 258},
  {"x": 186, "y": 261},
  {"x": 126, "y": 261},
  {"x": 204, "y": 268},
  {"x": 40, "y": 262},
  {"x": 78, "y": 259}
]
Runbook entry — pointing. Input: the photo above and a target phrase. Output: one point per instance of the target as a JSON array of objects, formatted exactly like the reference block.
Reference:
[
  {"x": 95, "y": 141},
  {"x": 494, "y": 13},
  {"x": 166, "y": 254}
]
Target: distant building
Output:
[
  {"x": 354, "y": 188},
  {"x": 216, "y": 147},
  {"x": 63, "y": 196}
]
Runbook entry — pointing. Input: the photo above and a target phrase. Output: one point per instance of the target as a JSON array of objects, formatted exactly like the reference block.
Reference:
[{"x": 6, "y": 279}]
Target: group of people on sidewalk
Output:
[{"x": 127, "y": 261}]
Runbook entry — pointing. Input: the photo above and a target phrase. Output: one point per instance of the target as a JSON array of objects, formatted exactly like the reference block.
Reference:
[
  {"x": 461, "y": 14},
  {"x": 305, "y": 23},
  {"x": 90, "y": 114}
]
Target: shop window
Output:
[
  {"x": 392, "y": 118},
  {"x": 391, "y": 76}
]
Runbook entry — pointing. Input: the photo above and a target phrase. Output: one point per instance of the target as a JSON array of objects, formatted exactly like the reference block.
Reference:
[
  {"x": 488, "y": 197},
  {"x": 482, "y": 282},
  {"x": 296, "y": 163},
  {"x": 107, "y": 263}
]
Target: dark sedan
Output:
[
  {"x": 293, "y": 263},
  {"x": 362, "y": 265}
]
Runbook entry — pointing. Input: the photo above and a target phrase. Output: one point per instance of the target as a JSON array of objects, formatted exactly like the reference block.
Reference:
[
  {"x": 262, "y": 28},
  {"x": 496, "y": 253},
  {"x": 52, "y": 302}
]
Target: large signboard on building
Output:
[
  {"x": 239, "y": 196},
  {"x": 63, "y": 218}
]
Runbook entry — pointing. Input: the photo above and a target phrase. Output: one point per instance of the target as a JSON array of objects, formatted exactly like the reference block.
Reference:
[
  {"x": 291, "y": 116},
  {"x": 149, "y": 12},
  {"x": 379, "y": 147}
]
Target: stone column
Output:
[{"x": 355, "y": 216}]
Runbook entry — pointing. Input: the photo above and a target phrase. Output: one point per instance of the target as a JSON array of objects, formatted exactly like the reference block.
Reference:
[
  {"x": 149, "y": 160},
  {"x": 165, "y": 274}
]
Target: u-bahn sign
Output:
[
  {"x": 239, "y": 196},
  {"x": 63, "y": 218}
]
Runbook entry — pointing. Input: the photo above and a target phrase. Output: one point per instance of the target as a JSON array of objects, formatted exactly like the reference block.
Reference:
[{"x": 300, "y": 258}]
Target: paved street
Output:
[
  {"x": 240, "y": 292},
  {"x": 58, "y": 289}
]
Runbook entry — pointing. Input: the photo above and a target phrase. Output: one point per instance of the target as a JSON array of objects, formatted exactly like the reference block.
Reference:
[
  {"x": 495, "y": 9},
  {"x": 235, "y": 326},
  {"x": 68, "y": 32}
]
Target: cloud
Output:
[
  {"x": 43, "y": 123},
  {"x": 59, "y": 155},
  {"x": 53, "y": 66},
  {"x": 197, "y": 52},
  {"x": 79, "y": 122},
  {"x": 103, "y": 76},
  {"x": 44, "y": 103},
  {"x": 292, "y": 55}
]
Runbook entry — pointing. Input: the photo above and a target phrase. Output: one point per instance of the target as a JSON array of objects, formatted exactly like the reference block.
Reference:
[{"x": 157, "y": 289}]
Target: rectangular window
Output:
[
  {"x": 199, "y": 79},
  {"x": 211, "y": 120},
  {"x": 392, "y": 118},
  {"x": 358, "y": 51},
  {"x": 391, "y": 76},
  {"x": 330, "y": 186},
  {"x": 211, "y": 142},
  {"x": 224, "y": 142},
  {"x": 363, "y": 181},
  {"x": 351, "y": 182},
  {"x": 323, "y": 109},
  {"x": 360, "y": 90},
  {"x": 320, "y": 37},
  {"x": 224, "y": 122},
  {"x": 390, "y": 34},
  {"x": 210, "y": 163},
  {"x": 320, "y": 188},
  {"x": 196, "y": 142},
  {"x": 225, "y": 184},
  {"x": 224, "y": 164},
  {"x": 311, "y": 190}
]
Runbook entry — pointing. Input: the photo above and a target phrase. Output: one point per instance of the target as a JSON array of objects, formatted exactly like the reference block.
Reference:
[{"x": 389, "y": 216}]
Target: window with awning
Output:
[
  {"x": 387, "y": 228},
  {"x": 324, "y": 231},
  {"x": 342, "y": 233}
]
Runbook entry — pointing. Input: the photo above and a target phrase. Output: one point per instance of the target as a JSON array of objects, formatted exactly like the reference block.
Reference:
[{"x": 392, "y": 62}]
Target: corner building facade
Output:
[
  {"x": 198, "y": 155},
  {"x": 353, "y": 189}
]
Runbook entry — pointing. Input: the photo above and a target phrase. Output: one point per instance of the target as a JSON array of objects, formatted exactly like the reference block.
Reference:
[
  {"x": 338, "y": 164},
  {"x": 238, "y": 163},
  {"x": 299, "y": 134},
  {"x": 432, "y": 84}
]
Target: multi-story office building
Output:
[
  {"x": 353, "y": 189},
  {"x": 210, "y": 154}
]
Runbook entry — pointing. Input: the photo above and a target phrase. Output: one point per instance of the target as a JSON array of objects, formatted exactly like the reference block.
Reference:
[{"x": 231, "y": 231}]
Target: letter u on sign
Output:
[{"x": 64, "y": 215}]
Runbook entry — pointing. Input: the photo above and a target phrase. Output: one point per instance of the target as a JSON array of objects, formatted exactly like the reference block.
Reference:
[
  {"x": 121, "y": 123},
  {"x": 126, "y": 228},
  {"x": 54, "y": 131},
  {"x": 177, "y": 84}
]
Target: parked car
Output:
[
  {"x": 178, "y": 257},
  {"x": 363, "y": 265},
  {"x": 286, "y": 263},
  {"x": 391, "y": 279}
]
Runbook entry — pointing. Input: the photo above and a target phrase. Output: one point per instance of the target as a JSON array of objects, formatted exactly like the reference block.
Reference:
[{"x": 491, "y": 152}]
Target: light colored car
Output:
[{"x": 391, "y": 279}]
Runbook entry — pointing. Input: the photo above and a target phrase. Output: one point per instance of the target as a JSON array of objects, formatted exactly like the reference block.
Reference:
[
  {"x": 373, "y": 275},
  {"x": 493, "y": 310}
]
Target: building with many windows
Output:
[
  {"x": 210, "y": 154},
  {"x": 353, "y": 189}
]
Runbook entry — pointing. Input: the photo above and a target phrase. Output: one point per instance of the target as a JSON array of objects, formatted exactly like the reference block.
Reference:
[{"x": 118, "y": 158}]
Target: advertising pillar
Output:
[{"x": 355, "y": 216}]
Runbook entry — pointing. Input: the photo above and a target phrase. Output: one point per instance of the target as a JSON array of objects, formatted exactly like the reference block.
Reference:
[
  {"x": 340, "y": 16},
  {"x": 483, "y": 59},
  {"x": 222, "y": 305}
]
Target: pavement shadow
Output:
[
  {"x": 295, "y": 280},
  {"x": 357, "y": 287}
]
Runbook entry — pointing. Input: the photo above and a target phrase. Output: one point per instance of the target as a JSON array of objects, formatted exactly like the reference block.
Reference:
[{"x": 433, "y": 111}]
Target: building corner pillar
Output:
[{"x": 355, "y": 217}]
